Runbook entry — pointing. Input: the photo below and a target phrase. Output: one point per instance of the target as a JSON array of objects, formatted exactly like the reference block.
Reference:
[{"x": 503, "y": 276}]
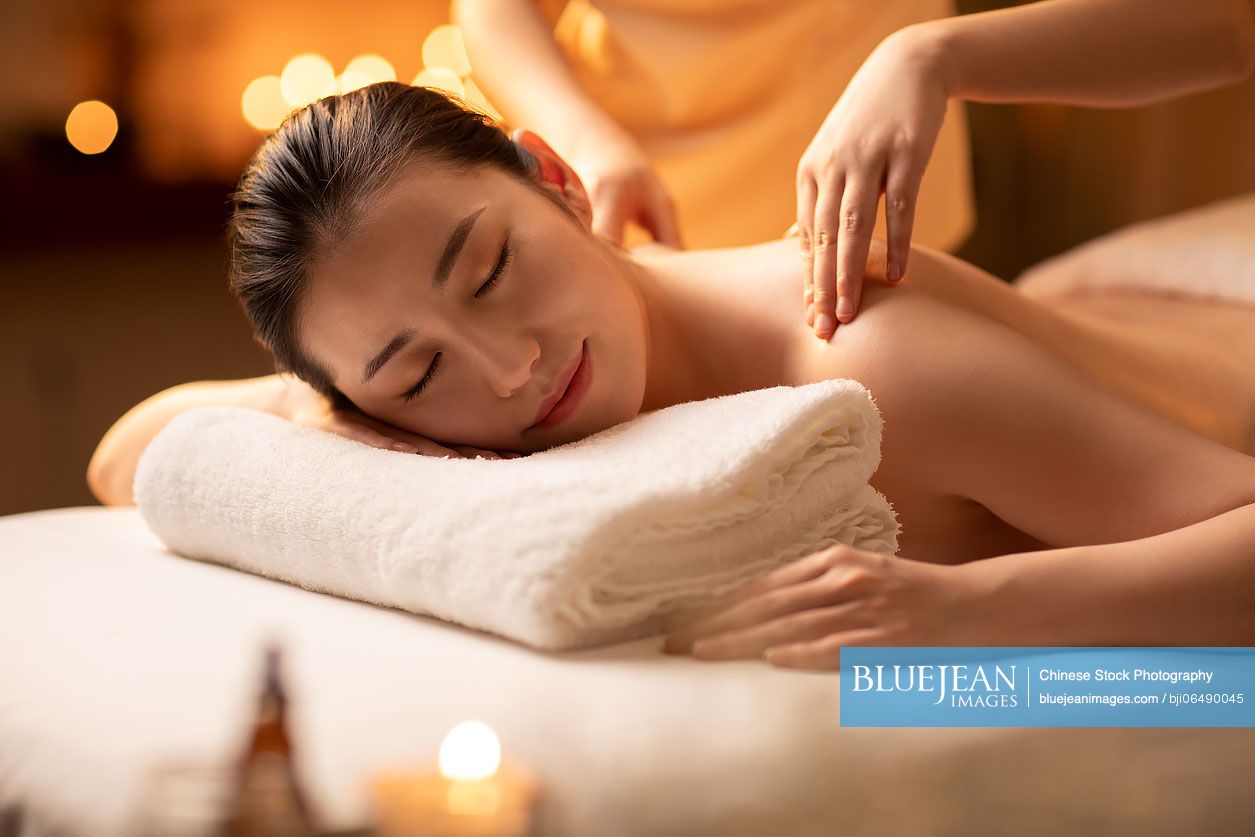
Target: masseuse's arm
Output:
[
  {"x": 880, "y": 134},
  {"x": 1153, "y": 525},
  {"x": 518, "y": 65}
]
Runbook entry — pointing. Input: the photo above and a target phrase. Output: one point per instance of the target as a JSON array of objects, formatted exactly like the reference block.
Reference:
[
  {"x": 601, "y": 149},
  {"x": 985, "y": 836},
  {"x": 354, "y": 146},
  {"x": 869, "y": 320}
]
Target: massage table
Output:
[{"x": 118, "y": 657}]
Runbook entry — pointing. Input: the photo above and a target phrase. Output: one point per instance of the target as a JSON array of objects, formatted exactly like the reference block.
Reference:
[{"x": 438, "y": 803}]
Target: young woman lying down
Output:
[{"x": 1065, "y": 472}]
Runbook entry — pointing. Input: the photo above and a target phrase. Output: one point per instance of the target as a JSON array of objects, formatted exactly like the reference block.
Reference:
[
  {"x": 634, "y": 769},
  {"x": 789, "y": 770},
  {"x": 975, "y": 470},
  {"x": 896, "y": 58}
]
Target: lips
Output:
[{"x": 547, "y": 405}]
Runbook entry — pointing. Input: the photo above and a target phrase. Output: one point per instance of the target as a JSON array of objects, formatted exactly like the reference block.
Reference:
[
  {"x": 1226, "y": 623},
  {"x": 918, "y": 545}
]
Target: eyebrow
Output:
[{"x": 444, "y": 269}]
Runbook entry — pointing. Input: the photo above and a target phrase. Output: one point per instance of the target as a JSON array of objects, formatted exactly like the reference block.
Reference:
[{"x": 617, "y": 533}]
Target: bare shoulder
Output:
[
  {"x": 909, "y": 347},
  {"x": 975, "y": 410}
]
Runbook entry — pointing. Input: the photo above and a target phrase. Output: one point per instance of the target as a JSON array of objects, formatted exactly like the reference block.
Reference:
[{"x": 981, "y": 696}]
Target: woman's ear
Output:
[{"x": 554, "y": 174}]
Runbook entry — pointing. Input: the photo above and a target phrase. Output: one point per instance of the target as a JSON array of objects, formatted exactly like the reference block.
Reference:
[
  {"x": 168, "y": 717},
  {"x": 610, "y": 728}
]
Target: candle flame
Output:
[{"x": 470, "y": 750}]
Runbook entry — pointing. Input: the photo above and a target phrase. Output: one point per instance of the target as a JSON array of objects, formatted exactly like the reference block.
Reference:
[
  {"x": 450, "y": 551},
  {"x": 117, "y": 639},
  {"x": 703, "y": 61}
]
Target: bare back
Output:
[{"x": 1190, "y": 363}]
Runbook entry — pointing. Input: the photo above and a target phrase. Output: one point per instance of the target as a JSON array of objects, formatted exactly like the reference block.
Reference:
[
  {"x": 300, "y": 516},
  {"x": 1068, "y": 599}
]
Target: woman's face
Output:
[{"x": 486, "y": 291}]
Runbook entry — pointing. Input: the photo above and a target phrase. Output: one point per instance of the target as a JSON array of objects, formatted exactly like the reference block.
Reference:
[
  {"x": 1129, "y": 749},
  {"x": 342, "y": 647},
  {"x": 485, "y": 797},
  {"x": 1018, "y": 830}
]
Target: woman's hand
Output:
[
  {"x": 800, "y": 615},
  {"x": 877, "y": 138},
  {"x": 622, "y": 186},
  {"x": 304, "y": 406}
]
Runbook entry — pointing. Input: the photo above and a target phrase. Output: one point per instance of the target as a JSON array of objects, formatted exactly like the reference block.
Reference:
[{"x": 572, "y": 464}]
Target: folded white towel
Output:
[{"x": 610, "y": 538}]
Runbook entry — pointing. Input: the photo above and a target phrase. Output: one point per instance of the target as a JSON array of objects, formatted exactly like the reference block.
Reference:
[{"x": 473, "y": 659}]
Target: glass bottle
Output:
[{"x": 268, "y": 798}]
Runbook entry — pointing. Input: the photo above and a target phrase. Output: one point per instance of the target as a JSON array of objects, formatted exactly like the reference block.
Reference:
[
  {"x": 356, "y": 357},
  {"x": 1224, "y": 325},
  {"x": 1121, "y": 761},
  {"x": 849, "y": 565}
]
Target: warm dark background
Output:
[{"x": 113, "y": 269}]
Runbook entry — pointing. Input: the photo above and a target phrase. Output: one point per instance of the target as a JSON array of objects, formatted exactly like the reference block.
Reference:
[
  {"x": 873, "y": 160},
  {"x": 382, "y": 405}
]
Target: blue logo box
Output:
[{"x": 1048, "y": 686}]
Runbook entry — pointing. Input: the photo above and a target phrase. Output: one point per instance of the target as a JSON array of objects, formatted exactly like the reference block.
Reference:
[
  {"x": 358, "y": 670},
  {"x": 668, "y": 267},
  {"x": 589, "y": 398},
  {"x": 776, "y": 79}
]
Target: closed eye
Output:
[{"x": 503, "y": 261}]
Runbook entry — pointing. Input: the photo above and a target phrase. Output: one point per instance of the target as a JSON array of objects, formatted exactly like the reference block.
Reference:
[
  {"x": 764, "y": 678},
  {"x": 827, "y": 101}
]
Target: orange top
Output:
[{"x": 725, "y": 95}]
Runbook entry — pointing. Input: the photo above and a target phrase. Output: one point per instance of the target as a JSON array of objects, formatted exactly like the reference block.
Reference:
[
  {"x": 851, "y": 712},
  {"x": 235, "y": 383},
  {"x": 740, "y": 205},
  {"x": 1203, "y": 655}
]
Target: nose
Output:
[{"x": 506, "y": 361}]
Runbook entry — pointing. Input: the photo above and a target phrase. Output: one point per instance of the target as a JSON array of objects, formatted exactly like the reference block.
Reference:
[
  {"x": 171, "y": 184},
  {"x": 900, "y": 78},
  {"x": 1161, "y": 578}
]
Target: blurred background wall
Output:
[{"x": 113, "y": 269}]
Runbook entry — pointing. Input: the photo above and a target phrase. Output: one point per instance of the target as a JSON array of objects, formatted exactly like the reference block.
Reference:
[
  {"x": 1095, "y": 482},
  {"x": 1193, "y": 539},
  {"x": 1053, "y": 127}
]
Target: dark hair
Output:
[{"x": 305, "y": 187}]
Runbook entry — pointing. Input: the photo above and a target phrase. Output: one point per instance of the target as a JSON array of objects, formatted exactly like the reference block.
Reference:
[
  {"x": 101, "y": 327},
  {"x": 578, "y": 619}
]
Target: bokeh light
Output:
[
  {"x": 445, "y": 48},
  {"x": 307, "y": 78},
  {"x": 372, "y": 67},
  {"x": 91, "y": 126},
  {"x": 263, "y": 103},
  {"x": 351, "y": 80},
  {"x": 441, "y": 78}
]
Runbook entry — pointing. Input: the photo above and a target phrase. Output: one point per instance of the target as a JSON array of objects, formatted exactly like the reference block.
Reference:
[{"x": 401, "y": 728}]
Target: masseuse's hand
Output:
[
  {"x": 305, "y": 406},
  {"x": 800, "y": 615},
  {"x": 877, "y": 138},
  {"x": 622, "y": 186}
]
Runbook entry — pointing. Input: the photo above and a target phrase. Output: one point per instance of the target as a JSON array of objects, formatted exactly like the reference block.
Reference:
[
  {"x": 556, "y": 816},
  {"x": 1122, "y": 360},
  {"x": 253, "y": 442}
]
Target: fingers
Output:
[
  {"x": 795, "y": 572},
  {"x": 824, "y": 249},
  {"x": 413, "y": 443},
  {"x": 835, "y": 251},
  {"x": 858, "y": 217},
  {"x": 360, "y": 427},
  {"x": 359, "y": 432},
  {"x": 610, "y": 215},
  {"x": 821, "y": 591},
  {"x": 643, "y": 200},
  {"x": 901, "y": 192},
  {"x": 806, "y": 193},
  {"x": 790, "y": 629},
  {"x": 474, "y": 453},
  {"x": 425, "y": 447},
  {"x": 661, "y": 219},
  {"x": 823, "y": 654},
  {"x": 410, "y": 443},
  {"x": 485, "y": 453}
]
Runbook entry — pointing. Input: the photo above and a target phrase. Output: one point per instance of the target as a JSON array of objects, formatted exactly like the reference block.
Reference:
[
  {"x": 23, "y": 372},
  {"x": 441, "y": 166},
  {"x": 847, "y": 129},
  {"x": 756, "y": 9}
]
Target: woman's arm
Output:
[
  {"x": 1190, "y": 586},
  {"x": 111, "y": 471},
  {"x": 1103, "y": 53}
]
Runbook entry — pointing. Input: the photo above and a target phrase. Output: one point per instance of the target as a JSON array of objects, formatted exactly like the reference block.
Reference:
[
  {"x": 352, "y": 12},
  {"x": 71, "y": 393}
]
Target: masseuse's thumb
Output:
[
  {"x": 609, "y": 219},
  {"x": 661, "y": 220}
]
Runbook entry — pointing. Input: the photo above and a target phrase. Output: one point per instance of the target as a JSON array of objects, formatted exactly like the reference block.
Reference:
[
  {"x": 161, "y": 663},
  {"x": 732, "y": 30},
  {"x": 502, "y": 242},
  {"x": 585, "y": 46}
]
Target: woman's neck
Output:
[
  {"x": 674, "y": 371},
  {"x": 710, "y": 329}
]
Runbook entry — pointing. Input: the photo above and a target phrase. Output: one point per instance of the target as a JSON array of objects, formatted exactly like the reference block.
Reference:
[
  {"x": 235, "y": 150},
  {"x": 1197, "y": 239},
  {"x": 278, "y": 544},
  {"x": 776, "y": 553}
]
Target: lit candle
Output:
[{"x": 473, "y": 793}]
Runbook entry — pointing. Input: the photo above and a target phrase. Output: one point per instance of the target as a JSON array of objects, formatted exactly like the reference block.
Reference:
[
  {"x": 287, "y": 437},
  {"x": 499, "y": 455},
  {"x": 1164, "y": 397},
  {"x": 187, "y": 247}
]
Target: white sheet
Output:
[{"x": 115, "y": 655}]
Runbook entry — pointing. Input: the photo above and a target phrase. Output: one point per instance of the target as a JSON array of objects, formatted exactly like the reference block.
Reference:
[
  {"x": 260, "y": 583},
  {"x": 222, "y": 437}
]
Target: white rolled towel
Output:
[{"x": 613, "y": 537}]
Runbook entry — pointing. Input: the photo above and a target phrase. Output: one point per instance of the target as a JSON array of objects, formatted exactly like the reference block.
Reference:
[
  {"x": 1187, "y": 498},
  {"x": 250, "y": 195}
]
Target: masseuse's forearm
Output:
[
  {"x": 112, "y": 468},
  {"x": 1101, "y": 53},
  {"x": 1190, "y": 586},
  {"x": 518, "y": 65}
]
